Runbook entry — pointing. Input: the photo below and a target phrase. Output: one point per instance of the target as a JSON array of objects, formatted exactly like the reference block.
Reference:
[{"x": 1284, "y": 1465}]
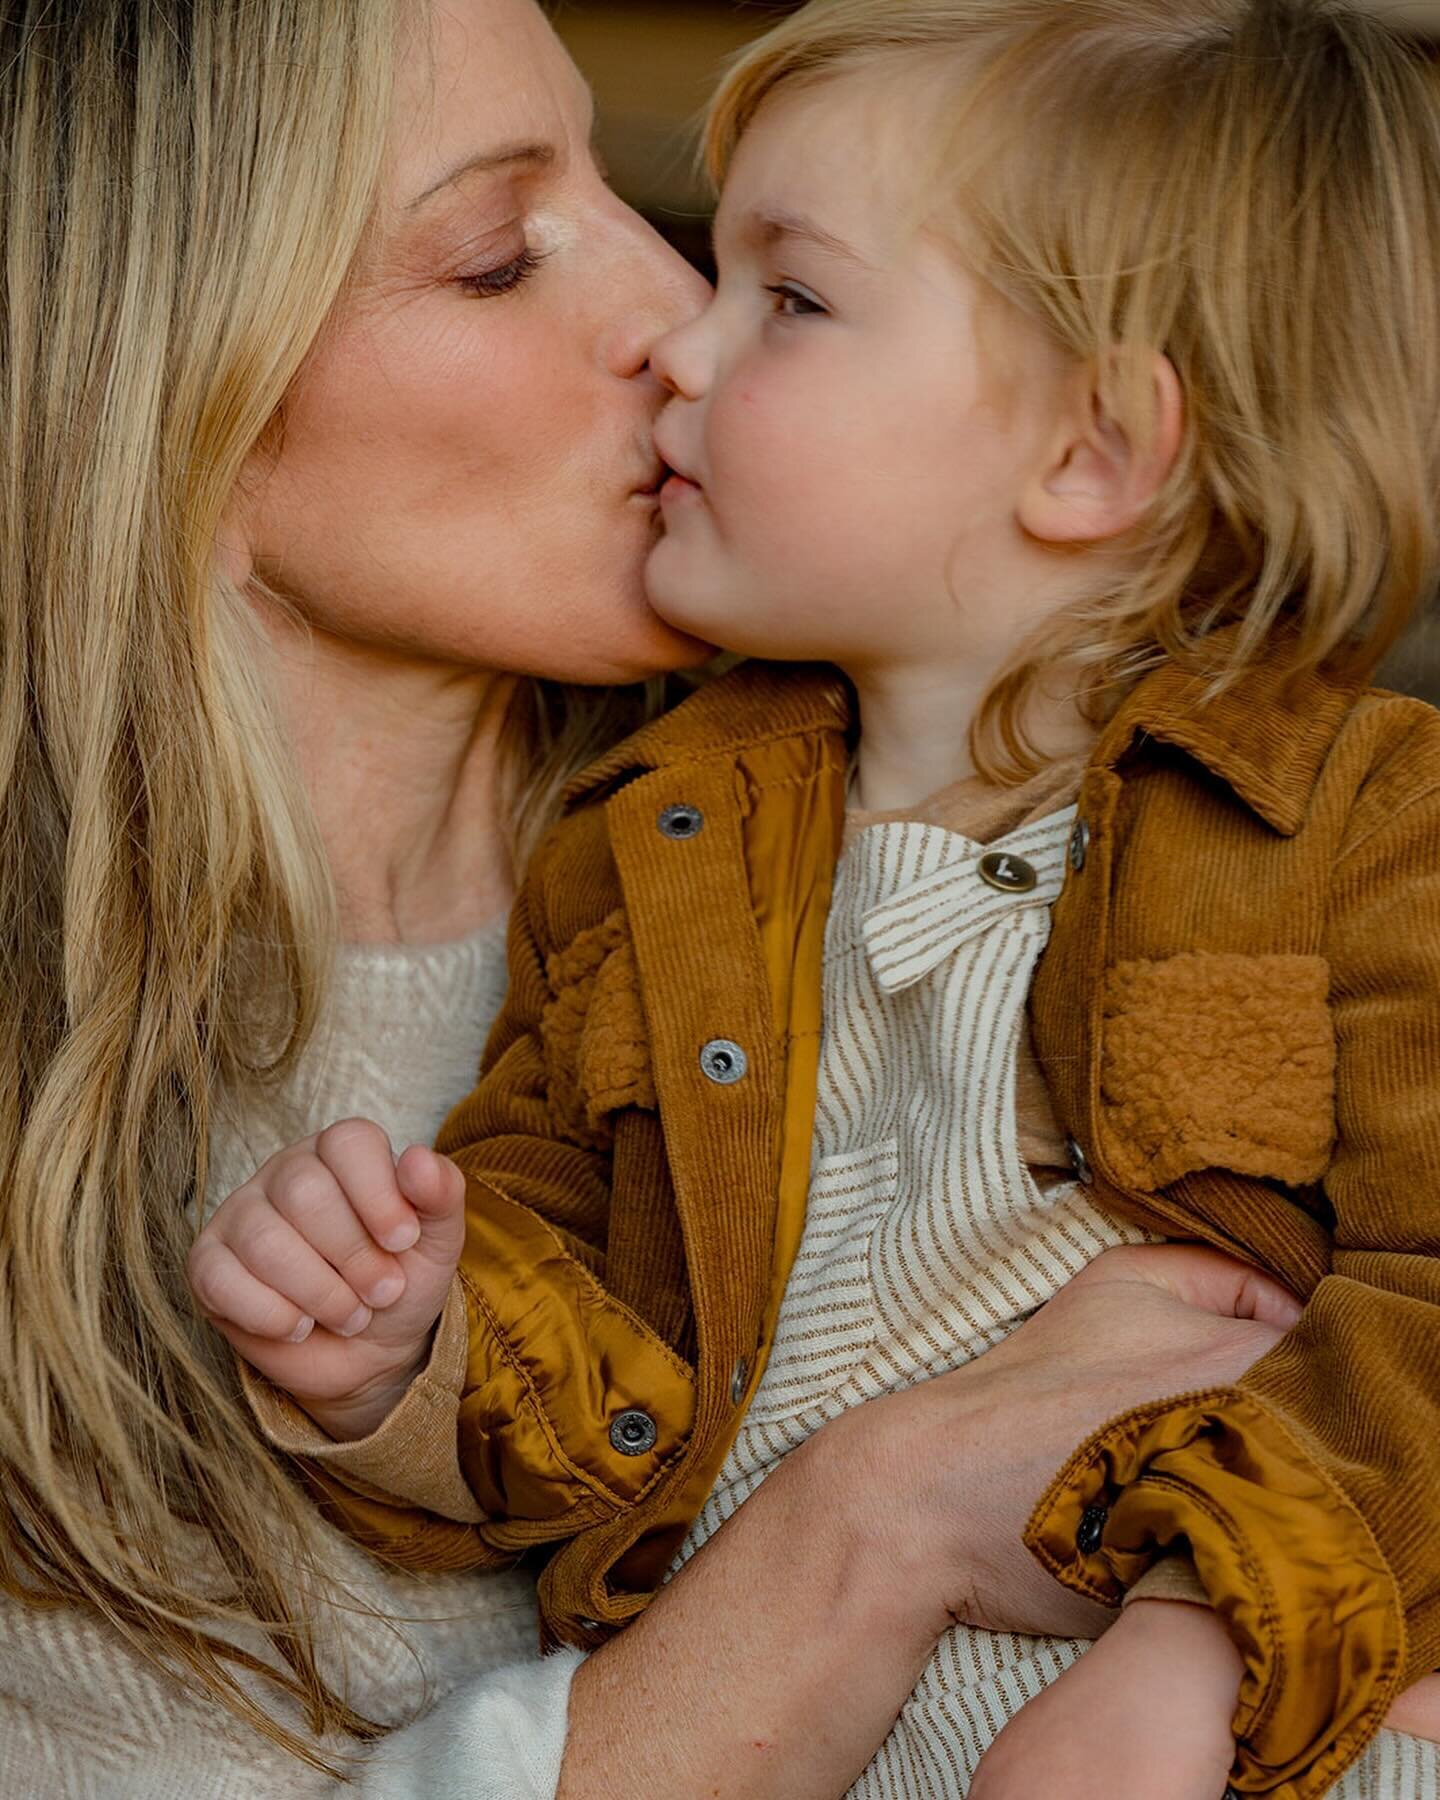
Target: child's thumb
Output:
[{"x": 433, "y": 1186}]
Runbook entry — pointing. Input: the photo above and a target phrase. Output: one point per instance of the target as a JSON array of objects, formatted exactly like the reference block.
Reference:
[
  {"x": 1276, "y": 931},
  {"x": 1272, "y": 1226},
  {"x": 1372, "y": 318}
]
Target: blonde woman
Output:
[{"x": 327, "y": 420}]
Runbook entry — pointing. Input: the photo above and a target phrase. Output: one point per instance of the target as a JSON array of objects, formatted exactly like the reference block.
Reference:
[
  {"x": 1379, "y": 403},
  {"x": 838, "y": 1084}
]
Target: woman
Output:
[{"x": 327, "y": 414}]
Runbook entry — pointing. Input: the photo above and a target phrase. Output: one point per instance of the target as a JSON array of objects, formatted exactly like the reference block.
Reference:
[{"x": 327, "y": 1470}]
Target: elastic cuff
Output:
[
  {"x": 1290, "y": 1565},
  {"x": 412, "y": 1455},
  {"x": 1173, "y": 1577}
]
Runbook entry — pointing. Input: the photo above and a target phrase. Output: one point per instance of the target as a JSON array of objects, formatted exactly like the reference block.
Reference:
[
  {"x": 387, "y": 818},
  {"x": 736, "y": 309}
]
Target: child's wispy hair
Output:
[{"x": 1251, "y": 187}]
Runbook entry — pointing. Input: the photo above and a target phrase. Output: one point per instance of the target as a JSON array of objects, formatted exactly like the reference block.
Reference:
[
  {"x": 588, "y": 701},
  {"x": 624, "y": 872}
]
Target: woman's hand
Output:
[
  {"x": 328, "y": 1269},
  {"x": 958, "y": 1463},
  {"x": 774, "y": 1664}
]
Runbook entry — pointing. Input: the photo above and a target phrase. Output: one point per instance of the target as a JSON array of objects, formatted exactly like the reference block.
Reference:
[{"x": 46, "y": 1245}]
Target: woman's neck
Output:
[{"x": 401, "y": 761}]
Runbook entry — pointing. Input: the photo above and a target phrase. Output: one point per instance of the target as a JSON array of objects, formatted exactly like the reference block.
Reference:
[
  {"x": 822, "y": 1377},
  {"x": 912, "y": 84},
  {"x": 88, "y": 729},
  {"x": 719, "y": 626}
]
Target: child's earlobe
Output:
[{"x": 1110, "y": 456}]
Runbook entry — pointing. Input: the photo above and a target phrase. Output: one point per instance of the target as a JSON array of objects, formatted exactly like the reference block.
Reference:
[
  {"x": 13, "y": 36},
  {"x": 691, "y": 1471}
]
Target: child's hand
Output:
[
  {"x": 1144, "y": 1715},
  {"x": 328, "y": 1269}
]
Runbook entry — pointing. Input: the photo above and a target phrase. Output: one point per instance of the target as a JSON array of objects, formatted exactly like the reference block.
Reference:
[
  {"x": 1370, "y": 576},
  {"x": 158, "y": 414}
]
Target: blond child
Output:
[{"x": 1072, "y": 386}]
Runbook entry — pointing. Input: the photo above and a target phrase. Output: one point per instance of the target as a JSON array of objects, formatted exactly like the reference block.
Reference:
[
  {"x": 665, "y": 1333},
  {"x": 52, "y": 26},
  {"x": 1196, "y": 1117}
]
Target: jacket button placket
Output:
[{"x": 684, "y": 852}]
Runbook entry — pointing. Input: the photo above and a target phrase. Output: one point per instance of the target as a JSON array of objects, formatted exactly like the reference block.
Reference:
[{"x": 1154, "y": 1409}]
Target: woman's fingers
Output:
[
  {"x": 1199, "y": 1277},
  {"x": 275, "y": 1257}
]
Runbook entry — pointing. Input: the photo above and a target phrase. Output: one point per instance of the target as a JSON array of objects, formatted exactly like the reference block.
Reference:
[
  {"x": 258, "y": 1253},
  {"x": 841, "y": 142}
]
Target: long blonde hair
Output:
[
  {"x": 186, "y": 187},
  {"x": 1251, "y": 186}
]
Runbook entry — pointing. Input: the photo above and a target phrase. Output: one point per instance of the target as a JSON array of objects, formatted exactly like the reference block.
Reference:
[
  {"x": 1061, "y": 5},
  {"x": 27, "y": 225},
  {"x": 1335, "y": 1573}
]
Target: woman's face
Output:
[{"x": 465, "y": 473}]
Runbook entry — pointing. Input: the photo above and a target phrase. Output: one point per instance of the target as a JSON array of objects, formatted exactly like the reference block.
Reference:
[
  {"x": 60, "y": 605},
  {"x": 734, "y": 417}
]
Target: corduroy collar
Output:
[
  {"x": 1266, "y": 737},
  {"x": 752, "y": 704}
]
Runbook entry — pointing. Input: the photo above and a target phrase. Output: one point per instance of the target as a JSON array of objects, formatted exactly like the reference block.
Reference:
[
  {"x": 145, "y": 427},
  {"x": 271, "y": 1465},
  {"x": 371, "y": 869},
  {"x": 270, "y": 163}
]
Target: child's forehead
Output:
[{"x": 851, "y": 144}]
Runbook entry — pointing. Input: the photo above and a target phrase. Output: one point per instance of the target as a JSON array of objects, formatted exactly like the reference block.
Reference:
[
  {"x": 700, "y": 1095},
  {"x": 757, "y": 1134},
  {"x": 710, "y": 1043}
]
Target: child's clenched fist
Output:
[{"x": 328, "y": 1269}]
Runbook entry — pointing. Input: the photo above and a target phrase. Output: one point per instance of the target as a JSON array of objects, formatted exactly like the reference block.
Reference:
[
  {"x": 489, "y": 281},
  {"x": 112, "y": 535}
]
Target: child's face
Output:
[{"x": 853, "y": 425}]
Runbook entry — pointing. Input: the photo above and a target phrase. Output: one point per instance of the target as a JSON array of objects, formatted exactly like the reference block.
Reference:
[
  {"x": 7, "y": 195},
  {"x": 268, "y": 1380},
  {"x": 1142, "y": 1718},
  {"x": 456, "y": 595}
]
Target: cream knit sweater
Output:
[{"x": 481, "y": 1716}]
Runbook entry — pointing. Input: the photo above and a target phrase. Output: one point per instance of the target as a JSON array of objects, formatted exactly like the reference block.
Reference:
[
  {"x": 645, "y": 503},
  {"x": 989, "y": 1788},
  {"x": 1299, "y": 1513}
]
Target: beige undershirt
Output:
[{"x": 979, "y": 810}]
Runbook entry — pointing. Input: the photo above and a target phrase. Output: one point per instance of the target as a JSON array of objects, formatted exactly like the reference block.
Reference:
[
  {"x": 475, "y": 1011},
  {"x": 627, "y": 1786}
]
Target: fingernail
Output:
[
  {"x": 356, "y": 1323},
  {"x": 403, "y": 1237},
  {"x": 302, "y": 1331},
  {"x": 387, "y": 1291}
]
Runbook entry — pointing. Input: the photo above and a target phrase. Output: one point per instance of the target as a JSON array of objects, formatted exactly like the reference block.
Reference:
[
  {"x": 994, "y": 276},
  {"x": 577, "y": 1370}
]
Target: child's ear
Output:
[{"x": 1102, "y": 471}]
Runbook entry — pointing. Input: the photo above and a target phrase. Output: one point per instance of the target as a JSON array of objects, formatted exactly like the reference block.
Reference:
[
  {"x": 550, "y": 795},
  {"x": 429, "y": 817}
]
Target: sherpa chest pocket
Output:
[{"x": 1218, "y": 1061}]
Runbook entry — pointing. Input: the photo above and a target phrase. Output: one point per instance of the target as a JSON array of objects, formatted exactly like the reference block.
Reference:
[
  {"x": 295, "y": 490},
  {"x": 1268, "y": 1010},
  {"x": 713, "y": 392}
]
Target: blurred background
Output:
[{"x": 653, "y": 65}]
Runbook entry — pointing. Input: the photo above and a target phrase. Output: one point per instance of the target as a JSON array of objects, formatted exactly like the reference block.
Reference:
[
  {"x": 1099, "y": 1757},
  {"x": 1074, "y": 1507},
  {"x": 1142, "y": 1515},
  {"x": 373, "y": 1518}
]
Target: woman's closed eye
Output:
[
  {"x": 795, "y": 302},
  {"x": 486, "y": 284}
]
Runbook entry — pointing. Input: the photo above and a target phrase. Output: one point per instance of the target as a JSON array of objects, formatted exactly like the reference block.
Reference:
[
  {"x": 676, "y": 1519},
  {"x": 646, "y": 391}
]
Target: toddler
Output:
[{"x": 1072, "y": 387}]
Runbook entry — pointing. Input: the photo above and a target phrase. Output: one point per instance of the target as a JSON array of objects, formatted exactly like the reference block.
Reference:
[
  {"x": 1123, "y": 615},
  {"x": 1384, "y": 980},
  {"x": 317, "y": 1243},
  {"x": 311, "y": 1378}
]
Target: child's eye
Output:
[
  {"x": 792, "y": 302},
  {"x": 489, "y": 282}
]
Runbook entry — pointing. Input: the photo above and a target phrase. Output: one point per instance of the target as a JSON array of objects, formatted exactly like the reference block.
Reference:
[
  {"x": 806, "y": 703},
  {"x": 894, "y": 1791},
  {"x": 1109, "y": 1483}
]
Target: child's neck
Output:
[{"x": 915, "y": 731}]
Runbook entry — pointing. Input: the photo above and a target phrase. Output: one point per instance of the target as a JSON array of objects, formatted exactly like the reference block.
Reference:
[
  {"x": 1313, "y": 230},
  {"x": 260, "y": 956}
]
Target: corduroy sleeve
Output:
[{"x": 1307, "y": 1493}]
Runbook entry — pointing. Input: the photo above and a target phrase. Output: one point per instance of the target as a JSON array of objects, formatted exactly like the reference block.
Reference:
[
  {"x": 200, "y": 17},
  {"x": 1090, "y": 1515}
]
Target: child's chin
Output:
[{"x": 676, "y": 601}]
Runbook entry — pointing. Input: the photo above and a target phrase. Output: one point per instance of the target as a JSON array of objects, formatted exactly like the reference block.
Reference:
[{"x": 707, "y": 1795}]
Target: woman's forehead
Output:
[{"x": 480, "y": 82}]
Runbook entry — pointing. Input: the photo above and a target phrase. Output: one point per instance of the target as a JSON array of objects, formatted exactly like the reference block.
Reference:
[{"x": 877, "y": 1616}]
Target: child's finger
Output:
[
  {"x": 230, "y": 1295},
  {"x": 276, "y": 1255},
  {"x": 436, "y": 1189},
  {"x": 431, "y": 1183},
  {"x": 316, "y": 1205},
  {"x": 358, "y": 1154}
]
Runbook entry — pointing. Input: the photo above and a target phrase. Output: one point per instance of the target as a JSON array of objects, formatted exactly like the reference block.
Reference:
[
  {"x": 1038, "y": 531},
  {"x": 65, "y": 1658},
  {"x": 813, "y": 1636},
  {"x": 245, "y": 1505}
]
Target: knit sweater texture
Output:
[{"x": 451, "y": 1660}]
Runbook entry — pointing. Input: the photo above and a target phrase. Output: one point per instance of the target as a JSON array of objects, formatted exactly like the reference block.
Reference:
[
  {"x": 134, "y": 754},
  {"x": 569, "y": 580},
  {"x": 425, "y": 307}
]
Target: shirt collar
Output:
[{"x": 1267, "y": 736}]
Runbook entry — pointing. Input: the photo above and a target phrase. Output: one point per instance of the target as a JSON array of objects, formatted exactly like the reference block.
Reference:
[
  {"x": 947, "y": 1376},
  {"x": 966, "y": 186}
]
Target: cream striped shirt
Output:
[{"x": 928, "y": 1239}]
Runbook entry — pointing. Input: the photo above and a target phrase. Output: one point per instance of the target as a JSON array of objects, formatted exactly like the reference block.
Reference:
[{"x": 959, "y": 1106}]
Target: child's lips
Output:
[{"x": 680, "y": 488}]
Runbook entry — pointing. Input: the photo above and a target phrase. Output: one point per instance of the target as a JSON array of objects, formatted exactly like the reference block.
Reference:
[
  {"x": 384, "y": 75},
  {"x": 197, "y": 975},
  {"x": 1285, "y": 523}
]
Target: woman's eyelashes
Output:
[
  {"x": 487, "y": 284},
  {"x": 795, "y": 302}
]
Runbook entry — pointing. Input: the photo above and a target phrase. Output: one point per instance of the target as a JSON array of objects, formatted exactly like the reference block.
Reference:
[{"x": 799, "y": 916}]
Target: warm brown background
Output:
[{"x": 653, "y": 64}]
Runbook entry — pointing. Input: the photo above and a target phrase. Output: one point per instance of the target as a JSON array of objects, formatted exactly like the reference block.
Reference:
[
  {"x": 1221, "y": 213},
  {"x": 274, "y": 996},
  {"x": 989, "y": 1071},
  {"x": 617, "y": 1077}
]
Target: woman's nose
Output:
[{"x": 665, "y": 293}]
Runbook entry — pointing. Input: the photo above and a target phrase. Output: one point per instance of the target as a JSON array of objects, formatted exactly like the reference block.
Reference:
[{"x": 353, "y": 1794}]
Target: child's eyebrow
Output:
[{"x": 770, "y": 228}]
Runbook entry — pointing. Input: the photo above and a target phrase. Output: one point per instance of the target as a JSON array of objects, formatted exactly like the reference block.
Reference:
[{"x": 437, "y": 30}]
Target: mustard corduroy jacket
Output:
[{"x": 1238, "y": 1015}]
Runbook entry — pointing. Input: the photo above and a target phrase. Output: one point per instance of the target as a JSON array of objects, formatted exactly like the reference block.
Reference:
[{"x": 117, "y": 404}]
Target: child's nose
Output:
[{"x": 681, "y": 362}]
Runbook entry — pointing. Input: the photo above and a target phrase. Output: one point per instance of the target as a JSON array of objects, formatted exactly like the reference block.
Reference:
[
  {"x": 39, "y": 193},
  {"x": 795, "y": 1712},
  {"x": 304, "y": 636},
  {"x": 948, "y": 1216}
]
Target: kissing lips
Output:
[{"x": 679, "y": 488}]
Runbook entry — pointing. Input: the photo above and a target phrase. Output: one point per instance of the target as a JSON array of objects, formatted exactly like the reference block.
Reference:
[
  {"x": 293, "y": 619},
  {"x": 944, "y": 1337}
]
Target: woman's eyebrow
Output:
[{"x": 537, "y": 155}]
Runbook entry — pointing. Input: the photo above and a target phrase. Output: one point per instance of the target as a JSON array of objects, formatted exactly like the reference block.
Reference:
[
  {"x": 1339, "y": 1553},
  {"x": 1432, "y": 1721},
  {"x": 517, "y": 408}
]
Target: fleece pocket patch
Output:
[
  {"x": 597, "y": 1049},
  {"x": 1212, "y": 1061}
]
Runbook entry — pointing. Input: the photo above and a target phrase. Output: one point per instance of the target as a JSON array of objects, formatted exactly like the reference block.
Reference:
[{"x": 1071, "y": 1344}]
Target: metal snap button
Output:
[
  {"x": 681, "y": 822},
  {"x": 738, "y": 1381},
  {"x": 1090, "y": 1533},
  {"x": 1011, "y": 874},
  {"x": 634, "y": 1433},
  {"x": 1079, "y": 1162},
  {"x": 724, "y": 1062},
  {"x": 1079, "y": 846},
  {"x": 589, "y": 1624}
]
